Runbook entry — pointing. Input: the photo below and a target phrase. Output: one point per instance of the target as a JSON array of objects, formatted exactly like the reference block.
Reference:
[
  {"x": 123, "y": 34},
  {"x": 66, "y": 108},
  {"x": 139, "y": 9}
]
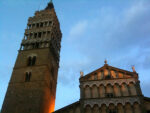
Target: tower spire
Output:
[{"x": 50, "y": 5}]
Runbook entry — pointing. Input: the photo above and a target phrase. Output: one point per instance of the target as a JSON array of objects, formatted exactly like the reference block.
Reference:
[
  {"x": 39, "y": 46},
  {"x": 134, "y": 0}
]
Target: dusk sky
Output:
[{"x": 93, "y": 30}]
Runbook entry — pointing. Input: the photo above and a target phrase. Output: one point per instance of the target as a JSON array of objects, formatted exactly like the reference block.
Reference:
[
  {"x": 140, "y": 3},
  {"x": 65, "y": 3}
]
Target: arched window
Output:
[
  {"x": 28, "y": 77},
  {"x": 128, "y": 108},
  {"x": 88, "y": 109},
  {"x": 31, "y": 61},
  {"x": 120, "y": 108},
  {"x": 112, "y": 109},
  {"x": 87, "y": 92},
  {"x": 102, "y": 91},
  {"x": 103, "y": 109},
  {"x": 124, "y": 90},
  {"x": 96, "y": 109},
  {"x": 132, "y": 89},
  {"x": 117, "y": 90},
  {"x": 109, "y": 91},
  {"x": 95, "y": 91}
]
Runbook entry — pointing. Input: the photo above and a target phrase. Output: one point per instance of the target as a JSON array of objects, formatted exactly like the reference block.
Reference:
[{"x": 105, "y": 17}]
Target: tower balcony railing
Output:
[
  {"x": 39, "y": 29},
  {"x": 38, "y": 40}
]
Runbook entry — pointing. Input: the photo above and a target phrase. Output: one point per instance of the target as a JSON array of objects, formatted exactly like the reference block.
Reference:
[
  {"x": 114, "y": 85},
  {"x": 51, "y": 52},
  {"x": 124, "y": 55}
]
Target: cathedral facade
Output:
[
  {"x": 32, "y": 87},
  {"x": 109, "y": 90}
]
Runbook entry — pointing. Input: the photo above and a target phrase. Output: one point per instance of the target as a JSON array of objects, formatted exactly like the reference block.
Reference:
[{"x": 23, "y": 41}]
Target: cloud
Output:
[
  {"x": 120, "y": 36},
  {"x": 116, "y": 35},
  {"x": 78, "y": 29}
]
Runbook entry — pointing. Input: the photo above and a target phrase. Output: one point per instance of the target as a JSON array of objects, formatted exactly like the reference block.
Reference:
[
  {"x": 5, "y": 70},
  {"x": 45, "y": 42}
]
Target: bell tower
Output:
[{"x": 32, "y": 87}]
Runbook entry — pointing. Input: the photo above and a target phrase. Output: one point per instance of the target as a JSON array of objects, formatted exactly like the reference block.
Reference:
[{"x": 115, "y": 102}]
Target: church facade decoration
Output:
[{"x": 109, "y": 90}]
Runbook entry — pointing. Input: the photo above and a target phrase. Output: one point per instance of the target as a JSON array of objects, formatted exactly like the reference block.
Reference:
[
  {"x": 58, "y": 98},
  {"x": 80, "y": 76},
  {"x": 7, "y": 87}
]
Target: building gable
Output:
[{"x": 108, "y": 72}]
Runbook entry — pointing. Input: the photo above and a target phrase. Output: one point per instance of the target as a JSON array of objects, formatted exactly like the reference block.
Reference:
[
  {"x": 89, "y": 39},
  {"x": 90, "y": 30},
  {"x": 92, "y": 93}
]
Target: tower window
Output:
[
  {"x": 28, "y": 77},
  {"x": 45, "y": 23},
  {"x": 41, "y": 25},
  {"x": 35, "y": 35},
  {"x": 33, "y": 25},
  {"x": 50, "y": 23},
  {"x": 44, "y": 33},
  {"x": 36, "y": 45},
  {"x": 48, "y": 32},
  {"x": 33, "y": 45},
  {"x": 39, "y": 35},
  {"x": 31, "y": 61},
  {"x": 37, "y": 25}
]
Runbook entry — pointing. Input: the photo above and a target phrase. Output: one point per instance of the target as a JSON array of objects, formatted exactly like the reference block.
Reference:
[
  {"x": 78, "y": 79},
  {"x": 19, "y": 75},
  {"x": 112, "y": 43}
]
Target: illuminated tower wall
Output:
[{"x": 32, "y": 87}]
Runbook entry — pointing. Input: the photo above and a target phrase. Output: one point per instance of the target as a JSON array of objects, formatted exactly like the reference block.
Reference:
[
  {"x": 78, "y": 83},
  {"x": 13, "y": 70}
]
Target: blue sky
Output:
[{"x": 93, "y": 30}]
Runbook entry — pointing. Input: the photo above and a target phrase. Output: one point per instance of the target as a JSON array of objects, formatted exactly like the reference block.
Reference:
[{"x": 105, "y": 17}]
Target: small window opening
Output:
[
  {"x": 33, "y": 25},
  {"x": 36, "y": 45},
  {"x": 28, "y": 77},
  {"x": 41, "y": 25},
  {"x": 33, "y": 60},
  {"x": 37, "y": 25},
  {"x": 33, "y": 45},
  {"x": 50, "y": 23},
  {"x": 109, "y": 95},
  {"x": 44, "y": 33},
  {"x": 39, "y": 34},
  {"x": 46, "y": 23},
  {"x": 108, "y": 77},
  {"x": 29, "y": 61},
  {"x": 35, "y": 35},
  {"x": 48, "y": 32}
]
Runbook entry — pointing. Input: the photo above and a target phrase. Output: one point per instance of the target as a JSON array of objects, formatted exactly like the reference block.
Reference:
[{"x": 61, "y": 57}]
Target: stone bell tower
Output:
[{"x": 32, "y": 87}]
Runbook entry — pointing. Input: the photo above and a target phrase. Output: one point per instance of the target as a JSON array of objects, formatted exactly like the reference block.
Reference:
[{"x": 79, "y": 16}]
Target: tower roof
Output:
[{"x": 50, "y": 5}]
